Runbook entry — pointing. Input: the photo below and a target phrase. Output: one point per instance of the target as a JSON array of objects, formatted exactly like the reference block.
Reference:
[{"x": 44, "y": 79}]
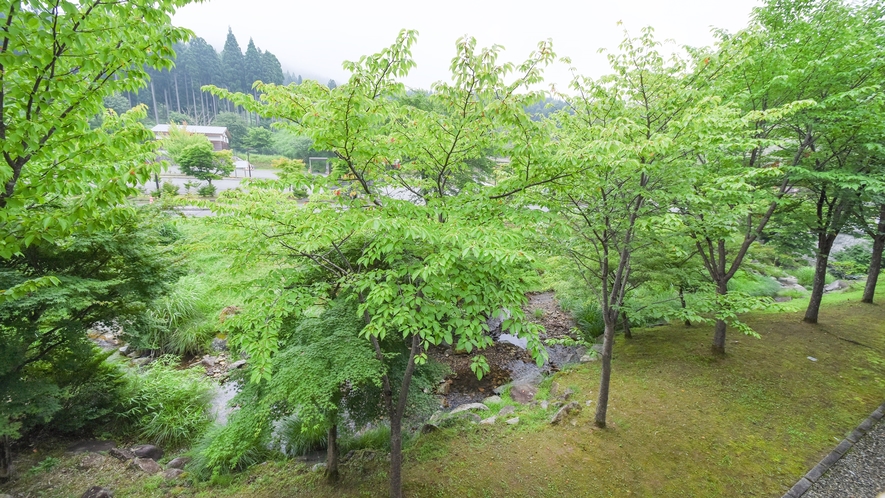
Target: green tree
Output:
[
  {"x": 235, "y": 124},
  {"x": 423, "y": 273},
  {"x": 202, "y": 162},
  {"x": 232, "y": 76},
  {"x": 103, "y": 278},
  {"x": 252, "y": 66},
  {"x": 60, "y": 60}
]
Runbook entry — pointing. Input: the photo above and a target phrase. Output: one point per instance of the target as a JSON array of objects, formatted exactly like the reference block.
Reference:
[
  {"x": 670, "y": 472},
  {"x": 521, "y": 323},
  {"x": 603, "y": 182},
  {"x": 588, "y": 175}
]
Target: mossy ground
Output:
[{"x": 681, "y": 423}]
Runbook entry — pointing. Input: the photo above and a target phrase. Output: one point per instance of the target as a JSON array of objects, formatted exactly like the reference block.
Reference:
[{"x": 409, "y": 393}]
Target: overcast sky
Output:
[{"x": 312, "y": 38}]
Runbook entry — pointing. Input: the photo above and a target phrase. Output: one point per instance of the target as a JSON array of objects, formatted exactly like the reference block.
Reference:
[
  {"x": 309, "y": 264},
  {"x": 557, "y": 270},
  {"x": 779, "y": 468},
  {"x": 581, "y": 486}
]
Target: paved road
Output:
[{"x": 223, "y": 184}]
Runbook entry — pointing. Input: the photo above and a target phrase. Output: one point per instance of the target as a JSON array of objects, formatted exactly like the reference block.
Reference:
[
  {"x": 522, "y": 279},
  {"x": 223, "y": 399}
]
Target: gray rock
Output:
[
  {"x": 147, "y": 465},
  {"x": 565, "y": 412},
  {"x": 209, "y": 361},
  {"x": 237, "y": 364},
  {"x": 140, "y": 362},
  {"x": 91, "y": 445},
  {"x": 126, "y": 349},
  {"x": 178, "y": 463},
  {"x": 469, "y": 406},
  {"x": 320, "y": 467},
  {"x": 783, "y": 299},
  {"x": 544, "y": 404},
  {"x": 147, "y": 451},
  {"x": 513, "y": 421},
  {"x": 837, "y": 285},
  {"x": 219, "y": 344},
  {"x": 489, "y": 421},
  {"x": 788, "y": 280},
  {"x": 598, "y": 348},
  {"x": 93, "y": 492},
  {"x": 587, "y": 358},
  {"x": 428, "y": 428},
  {"x": 507, "y": 410},
  {"x": 121, "y": 454},
  {"x": 523, "y": 393},
  {"x": 492, "y": 400},
  {"x": 171, "y": 474},
  {"x": 566, "y": 394}
]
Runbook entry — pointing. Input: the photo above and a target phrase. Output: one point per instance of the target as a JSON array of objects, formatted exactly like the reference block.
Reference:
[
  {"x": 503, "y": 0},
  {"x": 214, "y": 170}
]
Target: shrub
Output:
[
  {"x": 169, "y": 189},
  {"x": 294, "y": 438},
  {"x": 167, "y": 406},
  {"x": 588, "y": 317},
  {"x": 754, "y": 285},
  {"x": 854, "y": 260},
  {"x": 805, "y": 276},
  {"x": 207, "y": 190},
  {"x": 377, "y": 438}
]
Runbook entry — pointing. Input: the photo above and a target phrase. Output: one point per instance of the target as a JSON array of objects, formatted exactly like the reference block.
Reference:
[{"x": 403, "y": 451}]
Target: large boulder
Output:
[
  {"x": 171, "y": 474},
  {"x": 147, "y": 451},
  {"x": 523, "y": 392},
  {"x": 837, "y": 285}
]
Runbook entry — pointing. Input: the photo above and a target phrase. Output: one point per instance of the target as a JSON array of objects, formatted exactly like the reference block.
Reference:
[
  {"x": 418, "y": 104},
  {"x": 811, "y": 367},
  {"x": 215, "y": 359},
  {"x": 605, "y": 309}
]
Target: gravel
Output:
[{"x": 860, "y": 473}]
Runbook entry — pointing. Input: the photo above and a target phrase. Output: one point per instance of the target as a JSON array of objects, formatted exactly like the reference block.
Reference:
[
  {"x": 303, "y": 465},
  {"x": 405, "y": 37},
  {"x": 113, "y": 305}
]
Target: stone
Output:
[
  {"x": 507, "y": 410},
  {"x": 428, "y": 428},
  {"x": 209, "y": 361},
  {"x": 320, "y": 467},
  {"x": 523, "y": 393},
  {"x": 565, "y": 412},
  {"x": 513, "y": 421},
  {"x": 492, "y": 400},
  {"x": 469, "y": 406},
  {"x": 94, "y": 492},
  {"x": 444, "y": 387},
  {"x": 178, "y": 463},
  {"x": 147, "y": 451},
  {"x": 126, "y": 349},
  {"x": 837, "y": 285},
  {"x": 788, "y": 280},
  {"x": 471, "y": 417},
  {"x": 147, "y": 465},
  {"x": 554, "y": 388},
  {"x": 219, "y": 344},
  {"x": 170, "y": 474},
  {"x": 121, "y": 454},
  {"x": 489, "y": 421},
  {"x": 567, "y": 394},
  {"x": 237, "y": 364},
  {"x": 140, "y": 362},
  {"x": 812, "y": 358},
  {"x": 544, "y": 404},
  {"x": 587, "y": 358}
]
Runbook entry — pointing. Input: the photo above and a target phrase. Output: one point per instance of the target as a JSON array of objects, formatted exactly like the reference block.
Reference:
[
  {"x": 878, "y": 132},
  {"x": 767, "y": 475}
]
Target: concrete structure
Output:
[{"x": 218, "y": 135}]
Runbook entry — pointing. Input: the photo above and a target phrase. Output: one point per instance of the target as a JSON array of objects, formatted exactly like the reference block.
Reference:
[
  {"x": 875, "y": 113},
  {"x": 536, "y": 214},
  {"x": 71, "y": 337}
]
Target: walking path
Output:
[{"x": 854, "y": 469}]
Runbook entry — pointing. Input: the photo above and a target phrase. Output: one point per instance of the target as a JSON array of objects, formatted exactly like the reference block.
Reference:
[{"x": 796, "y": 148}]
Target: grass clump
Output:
[{"x": 166, "y": 406}]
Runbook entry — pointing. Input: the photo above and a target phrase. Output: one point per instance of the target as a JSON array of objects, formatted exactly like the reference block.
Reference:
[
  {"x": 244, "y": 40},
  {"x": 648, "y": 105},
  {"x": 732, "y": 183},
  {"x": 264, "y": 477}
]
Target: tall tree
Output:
[
  {"x": 232, "y": 63},
  {"x": 424, "y": 272},
  {"x": 59, "y": 60},
  {"x": 252, "y": 67}
]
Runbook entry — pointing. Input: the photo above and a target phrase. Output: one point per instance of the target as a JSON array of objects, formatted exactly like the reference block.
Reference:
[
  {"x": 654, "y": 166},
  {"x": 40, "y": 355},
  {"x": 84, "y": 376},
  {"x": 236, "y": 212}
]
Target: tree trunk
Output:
[
  {"x": 605, "y": 378},
  {"x": 396, "y": 425},
  {"x": 5, "y": 459},
  {"x": 177, "y": 98},
  {"x": 869, "y": 290},
  {"x": 719, "y": 331},
  {"x": 627, "y": 333},
  {"x": 825, "y": 244},
  {"x": 154, "y": 102},
  {"x": 166, "y": 98},
  {"x": 682, "y": 302},
  {"x": 332, "y": 454}
]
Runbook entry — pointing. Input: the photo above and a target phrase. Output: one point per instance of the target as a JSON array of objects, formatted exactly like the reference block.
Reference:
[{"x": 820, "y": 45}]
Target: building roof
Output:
[{"x": 202, "y": 130}]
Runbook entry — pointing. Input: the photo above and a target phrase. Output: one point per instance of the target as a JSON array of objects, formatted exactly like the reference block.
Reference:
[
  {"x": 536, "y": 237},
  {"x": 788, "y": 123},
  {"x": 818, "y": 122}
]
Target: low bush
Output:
[
  {"x": 854, "y": 260},
  {"x": 207, "y": 190},
  {"x": 754, "y": 285},
  {"x": 169, "y": 189},
  {"x": 166, "y": 406},
  {"x": 805, "y": 276}
]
